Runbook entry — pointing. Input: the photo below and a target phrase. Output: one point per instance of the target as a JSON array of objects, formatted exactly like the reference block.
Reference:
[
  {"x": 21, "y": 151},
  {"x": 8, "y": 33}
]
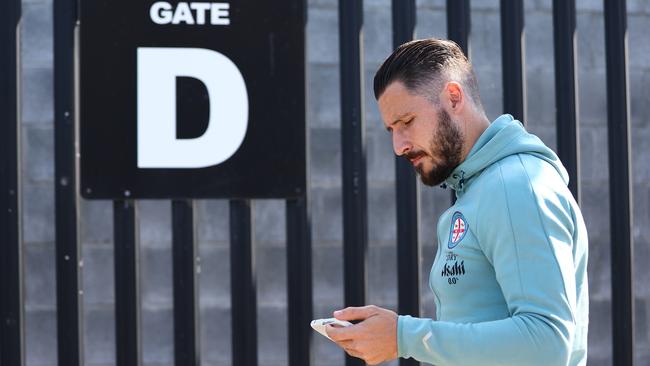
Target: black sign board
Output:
[{"x": 192, "y": 99}]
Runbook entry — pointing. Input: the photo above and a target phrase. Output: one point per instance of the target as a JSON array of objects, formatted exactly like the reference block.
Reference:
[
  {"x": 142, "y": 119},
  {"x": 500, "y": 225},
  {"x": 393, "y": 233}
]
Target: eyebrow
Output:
[{"x": 401, "y": 117}]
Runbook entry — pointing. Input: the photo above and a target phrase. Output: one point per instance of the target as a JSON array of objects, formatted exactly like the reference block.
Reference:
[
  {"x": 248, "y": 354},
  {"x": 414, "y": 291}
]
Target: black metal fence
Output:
[
  {"x": 11, "y": 304},
  {"x": 299, "y": 287}
]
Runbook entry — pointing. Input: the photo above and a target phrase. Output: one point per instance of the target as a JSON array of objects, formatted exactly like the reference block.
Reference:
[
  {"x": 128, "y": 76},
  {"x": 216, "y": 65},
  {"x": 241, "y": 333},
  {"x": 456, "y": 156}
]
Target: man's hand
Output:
[{"x": 374, "y": 339}]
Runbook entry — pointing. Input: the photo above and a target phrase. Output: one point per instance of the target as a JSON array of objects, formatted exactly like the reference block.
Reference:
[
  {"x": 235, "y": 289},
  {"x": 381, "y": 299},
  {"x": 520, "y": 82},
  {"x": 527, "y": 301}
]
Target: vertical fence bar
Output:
[
  {"x": 620, "y": 192},
  {"x": 243, "y": 284},
  {"x": 355, "y": 220},
  {"x": 68, "y": 251},
  {"x": 407, "y": 195},
  {"x": 404, "y": 19},
  {"x": 127, "y": 284},
  {"x": 566, "y": 91},
  {"x": 11, "y": 293},
  {"x": 458, "y": 30},
  {"x": 185, "y": 261},
  {"x": 512, "y": 46},
  {"x": 299, "y": 267},
  {"x": 459, "y": 24},
  {"x": 299, "y": 282}
]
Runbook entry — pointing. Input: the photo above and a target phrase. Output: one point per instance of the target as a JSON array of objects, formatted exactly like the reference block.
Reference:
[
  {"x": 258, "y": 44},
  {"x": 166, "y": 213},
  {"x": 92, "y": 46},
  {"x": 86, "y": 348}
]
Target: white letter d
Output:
[{"x": 158, "y": 146}]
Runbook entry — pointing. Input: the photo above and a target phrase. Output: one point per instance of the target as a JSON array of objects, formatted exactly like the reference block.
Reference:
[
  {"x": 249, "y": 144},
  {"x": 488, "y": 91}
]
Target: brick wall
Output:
[{"x": 325, "y": 160}]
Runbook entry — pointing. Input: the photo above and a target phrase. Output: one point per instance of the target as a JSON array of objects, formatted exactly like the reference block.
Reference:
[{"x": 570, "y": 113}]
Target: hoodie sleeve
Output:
[{"x": 526, "y": 234}]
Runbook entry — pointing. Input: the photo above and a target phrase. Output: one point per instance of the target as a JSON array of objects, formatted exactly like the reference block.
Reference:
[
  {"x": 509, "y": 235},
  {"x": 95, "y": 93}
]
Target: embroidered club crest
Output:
[{"x": 458, "y": 229}]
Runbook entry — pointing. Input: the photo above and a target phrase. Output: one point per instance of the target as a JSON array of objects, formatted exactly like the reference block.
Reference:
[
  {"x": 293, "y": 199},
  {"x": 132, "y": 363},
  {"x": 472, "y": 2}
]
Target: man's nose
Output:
[{"x": 400, "y": 145}]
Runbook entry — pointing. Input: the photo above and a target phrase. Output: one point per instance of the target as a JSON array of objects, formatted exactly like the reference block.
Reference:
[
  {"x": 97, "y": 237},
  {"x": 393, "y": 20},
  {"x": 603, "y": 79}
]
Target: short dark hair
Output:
[{"x": 424, "y": 66}]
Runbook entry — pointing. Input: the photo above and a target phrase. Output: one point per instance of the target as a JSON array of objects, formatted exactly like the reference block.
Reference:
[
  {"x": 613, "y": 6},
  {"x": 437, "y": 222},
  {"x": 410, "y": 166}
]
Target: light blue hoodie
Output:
[{"x": 510, "y": 274}]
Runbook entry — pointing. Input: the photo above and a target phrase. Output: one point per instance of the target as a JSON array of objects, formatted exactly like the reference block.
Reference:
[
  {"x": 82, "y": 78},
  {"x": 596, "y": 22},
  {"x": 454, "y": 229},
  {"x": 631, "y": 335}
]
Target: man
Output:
[{"x": 510, "y": 274}]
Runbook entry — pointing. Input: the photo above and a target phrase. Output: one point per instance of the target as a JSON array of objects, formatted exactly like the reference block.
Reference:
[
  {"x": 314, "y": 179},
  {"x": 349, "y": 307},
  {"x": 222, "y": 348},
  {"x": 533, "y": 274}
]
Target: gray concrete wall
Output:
[{"x": 325, "y": 159}]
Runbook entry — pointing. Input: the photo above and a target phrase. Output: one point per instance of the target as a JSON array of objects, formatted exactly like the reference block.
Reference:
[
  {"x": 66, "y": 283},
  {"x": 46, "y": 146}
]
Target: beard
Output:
[{"x": 447, "y": 145}]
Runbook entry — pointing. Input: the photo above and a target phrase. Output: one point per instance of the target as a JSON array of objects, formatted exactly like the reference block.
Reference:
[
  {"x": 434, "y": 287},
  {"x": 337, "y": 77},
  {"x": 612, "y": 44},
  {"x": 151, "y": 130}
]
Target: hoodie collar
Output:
[{"x": 505, "y": 136}]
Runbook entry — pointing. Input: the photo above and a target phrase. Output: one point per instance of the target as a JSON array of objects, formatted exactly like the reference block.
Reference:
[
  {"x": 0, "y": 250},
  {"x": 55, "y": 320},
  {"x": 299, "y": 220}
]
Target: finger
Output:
[
  {"x": 356, "y": 313},
  {"x": 354, "y": 353},
  {"x": 338, "y": 334},
  {"x": 346, "y": 343}
]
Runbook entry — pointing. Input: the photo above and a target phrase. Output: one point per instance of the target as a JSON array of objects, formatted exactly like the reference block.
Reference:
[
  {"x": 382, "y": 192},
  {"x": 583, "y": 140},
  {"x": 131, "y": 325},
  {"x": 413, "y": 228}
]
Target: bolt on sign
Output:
[{"x": 192, "y": 99}]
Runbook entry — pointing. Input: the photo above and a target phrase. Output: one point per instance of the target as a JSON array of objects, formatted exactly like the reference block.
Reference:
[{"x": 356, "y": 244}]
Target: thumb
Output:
[{"x": 355, "y": 313}]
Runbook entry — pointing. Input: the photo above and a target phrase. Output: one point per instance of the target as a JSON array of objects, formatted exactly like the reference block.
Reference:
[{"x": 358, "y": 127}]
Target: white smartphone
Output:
[{"x": 319, "y": 325}]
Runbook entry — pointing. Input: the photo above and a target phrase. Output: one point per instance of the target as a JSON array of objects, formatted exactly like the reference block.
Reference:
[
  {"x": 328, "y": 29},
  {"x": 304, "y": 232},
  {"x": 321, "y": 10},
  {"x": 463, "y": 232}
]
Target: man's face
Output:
[{"x": 422, "y": 133}]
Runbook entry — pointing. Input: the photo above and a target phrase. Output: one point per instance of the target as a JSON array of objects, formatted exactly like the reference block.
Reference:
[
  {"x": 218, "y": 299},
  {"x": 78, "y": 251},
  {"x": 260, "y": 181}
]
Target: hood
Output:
[{"x": 504, "y": 137}]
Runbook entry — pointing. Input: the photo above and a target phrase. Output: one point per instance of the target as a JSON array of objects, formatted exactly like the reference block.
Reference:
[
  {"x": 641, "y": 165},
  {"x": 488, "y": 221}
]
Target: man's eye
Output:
[{"x": 409, "y": 121}]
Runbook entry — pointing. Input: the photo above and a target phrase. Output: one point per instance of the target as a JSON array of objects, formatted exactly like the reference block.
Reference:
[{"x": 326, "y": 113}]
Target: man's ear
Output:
[{"x": 455, "y": 96}]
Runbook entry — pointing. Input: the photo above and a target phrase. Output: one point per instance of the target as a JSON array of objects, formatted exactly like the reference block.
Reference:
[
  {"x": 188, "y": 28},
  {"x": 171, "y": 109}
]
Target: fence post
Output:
[
  {"x": 620, "y": 192},
  {"x": 512, "y": 46},
  {"x": 459, "y": 24},
  {"x": 566, "y": 91},
  {"x": 243, "y": 284},
  {"x": 68, "y": 251},
  {"x": 127, "y": 284},
  {"x": 185, "y": 262},
  {"x": 458, "y": 29},
  {"x": 355, "y": 219},
  {"x": 299, "y": 282},
  {"x": 407, "y": 195},
  {"x": 11, "y": 298}
]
